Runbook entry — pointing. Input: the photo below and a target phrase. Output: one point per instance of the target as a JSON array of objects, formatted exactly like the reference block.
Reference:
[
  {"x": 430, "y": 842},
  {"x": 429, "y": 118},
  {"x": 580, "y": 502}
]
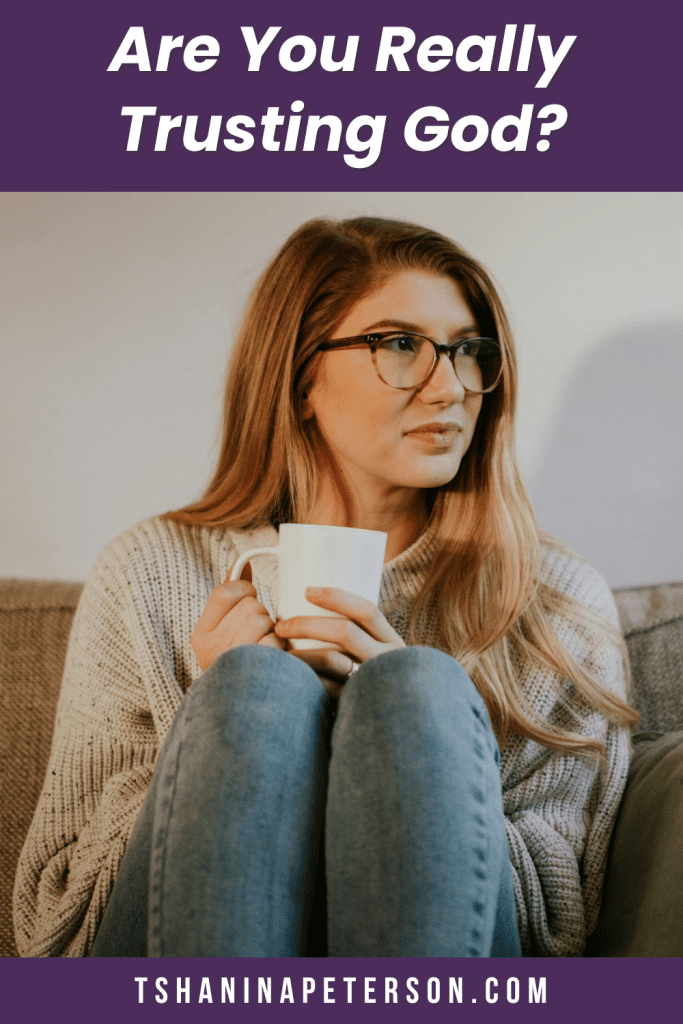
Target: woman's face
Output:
[{"x": 384, "y": 438}]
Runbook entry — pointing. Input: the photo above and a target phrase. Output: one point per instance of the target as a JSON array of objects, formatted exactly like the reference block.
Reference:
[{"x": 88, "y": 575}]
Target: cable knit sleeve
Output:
[
  {"x": 560, "y": 810},
  {"x": 100, "y": 767}
]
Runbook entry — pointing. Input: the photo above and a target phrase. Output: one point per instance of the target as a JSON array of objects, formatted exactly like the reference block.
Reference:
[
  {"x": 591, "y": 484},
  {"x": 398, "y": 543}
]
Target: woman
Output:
[{"x": 373, "y": 385}]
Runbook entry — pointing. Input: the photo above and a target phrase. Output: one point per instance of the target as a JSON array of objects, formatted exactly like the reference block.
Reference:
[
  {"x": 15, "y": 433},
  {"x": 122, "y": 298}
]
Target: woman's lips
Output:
[{"x": 437, "y": 435}]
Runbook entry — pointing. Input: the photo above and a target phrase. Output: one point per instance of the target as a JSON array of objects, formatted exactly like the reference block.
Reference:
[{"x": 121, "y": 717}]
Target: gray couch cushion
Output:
[
  {"x": 652, "y": 621},
  {"x": 642, "y": 607},
  {"x": 656, "y": 657}
]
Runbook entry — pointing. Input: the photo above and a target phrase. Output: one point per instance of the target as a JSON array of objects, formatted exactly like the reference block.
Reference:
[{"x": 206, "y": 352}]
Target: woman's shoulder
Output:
[{"x": 573, "y": 576}]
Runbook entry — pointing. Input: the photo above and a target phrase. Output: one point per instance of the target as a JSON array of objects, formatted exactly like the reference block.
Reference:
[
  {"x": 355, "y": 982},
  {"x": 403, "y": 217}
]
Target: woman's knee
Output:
[
  {"x": 417, "y": 688},
  {"x": 422, "y": 676},
  {"x": 255, "y": 663},
  {"x": 255, "y": 674},
  {"x": 251, "y": 689}
]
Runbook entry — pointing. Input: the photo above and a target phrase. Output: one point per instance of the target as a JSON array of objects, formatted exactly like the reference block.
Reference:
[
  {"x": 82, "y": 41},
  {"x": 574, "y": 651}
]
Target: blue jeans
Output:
[{"x": 275, "y": 827}]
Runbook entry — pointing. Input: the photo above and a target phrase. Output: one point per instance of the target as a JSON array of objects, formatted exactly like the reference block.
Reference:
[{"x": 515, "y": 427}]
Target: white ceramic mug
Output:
[{"x": 322, "y": 556}]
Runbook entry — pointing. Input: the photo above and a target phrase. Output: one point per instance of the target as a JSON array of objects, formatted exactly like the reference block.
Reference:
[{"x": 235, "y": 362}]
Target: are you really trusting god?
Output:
[{"x": 298, "y": 129}]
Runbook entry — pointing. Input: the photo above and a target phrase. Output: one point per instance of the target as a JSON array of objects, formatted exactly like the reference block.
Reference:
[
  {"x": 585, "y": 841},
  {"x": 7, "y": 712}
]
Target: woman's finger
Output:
[
  {"x": 221, "y": 601},
  {"x": 358, "y": 609},
  {"x": 250, "y": 630},
  {"x": 238, "y": 622},
  {"x": 271, "y": 639},
  {"x": 348, "y": 635}
]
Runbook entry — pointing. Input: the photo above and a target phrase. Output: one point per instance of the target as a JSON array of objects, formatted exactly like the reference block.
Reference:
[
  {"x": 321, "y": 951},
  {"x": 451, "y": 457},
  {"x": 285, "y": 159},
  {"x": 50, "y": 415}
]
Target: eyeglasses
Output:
[{"x": 407, "y": 361}]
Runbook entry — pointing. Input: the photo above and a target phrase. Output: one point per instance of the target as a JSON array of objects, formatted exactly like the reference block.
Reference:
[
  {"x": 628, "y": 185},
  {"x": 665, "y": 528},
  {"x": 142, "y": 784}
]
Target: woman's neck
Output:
[{"x": 401, "y": 514}]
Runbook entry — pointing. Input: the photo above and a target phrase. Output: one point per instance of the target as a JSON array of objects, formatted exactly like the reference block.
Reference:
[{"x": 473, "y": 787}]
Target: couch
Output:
[{"x": 35, "y": 619}]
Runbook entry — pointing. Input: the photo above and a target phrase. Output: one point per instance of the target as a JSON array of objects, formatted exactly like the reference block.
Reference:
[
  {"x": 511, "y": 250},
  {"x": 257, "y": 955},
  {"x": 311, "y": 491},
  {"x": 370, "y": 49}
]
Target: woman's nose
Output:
[{"x": 444, "y": 384}]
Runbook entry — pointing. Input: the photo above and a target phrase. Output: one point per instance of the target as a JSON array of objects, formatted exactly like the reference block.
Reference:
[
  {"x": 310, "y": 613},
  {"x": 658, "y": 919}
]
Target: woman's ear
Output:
[{"x": 307, "y": 410}]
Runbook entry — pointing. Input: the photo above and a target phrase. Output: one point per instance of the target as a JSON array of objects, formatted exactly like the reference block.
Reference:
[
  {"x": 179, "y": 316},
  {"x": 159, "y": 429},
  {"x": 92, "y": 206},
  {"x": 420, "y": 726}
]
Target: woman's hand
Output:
[
  {"x": 232, "y": 617},
  {"x": 362, "y": 634}
]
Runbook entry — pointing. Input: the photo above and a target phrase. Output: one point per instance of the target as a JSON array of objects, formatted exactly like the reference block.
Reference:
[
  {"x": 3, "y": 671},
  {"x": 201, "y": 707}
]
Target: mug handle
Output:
[{"x": 243, "y": 559}]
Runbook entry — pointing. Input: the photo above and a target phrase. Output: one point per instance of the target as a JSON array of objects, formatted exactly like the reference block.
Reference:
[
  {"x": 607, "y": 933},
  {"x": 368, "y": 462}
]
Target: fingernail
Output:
[{"x": 313, "y": 591}]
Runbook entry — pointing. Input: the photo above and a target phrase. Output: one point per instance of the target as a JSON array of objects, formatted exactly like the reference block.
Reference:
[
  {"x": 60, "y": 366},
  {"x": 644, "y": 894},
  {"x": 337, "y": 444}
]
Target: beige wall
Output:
[{"x": 118, "y": 311}]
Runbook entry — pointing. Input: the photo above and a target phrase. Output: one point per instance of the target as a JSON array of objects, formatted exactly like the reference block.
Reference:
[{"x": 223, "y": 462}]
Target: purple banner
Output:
[
  {"x": 395, "y": 991},
  {"x": 525, "y": 96}
]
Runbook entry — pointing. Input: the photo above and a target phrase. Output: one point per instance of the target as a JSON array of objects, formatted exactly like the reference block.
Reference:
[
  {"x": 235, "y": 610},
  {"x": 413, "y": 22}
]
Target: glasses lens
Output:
[
  {"x": 404, "y": 360},
  {"x": 478, "y": 364}
]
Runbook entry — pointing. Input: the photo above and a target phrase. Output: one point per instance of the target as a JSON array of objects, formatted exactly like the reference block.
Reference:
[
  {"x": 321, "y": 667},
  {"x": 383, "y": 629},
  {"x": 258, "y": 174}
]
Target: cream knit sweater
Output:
[{"x": 130, "y": 661}]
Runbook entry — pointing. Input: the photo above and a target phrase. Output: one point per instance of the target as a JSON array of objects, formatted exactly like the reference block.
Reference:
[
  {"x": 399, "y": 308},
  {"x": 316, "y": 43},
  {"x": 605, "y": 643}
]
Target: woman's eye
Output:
[
  {"x": 401, "y": 343},
  {"x": 469, "y": 348}
]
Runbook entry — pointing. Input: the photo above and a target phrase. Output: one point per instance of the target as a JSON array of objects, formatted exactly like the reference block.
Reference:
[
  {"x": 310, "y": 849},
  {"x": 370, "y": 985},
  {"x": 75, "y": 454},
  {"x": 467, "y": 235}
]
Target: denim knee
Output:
[
  {"x": 254, "y": 690},
  {"x": 427, "y": 680},
  {"x": 253, "y": 670},
  {"x": 254, "y": 661}
]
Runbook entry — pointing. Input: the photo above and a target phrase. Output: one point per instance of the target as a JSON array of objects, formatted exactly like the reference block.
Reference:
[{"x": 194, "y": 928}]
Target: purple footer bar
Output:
[{"x": 288, "y": 990}]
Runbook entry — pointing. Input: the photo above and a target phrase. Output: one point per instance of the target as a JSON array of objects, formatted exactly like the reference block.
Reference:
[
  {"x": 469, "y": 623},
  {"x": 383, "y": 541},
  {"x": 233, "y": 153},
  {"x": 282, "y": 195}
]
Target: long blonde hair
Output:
[{"x": 492, "y": 608}]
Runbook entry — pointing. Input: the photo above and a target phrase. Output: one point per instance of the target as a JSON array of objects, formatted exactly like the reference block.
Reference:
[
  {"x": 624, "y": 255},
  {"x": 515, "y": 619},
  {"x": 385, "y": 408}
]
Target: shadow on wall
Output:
[{"x": 610, "y": 482}]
